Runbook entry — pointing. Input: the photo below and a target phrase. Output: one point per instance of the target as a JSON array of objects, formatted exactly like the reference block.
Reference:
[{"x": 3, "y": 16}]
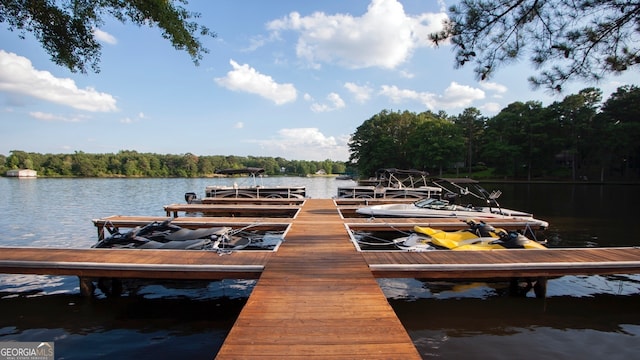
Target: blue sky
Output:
[{"x": 292, "y": 79}]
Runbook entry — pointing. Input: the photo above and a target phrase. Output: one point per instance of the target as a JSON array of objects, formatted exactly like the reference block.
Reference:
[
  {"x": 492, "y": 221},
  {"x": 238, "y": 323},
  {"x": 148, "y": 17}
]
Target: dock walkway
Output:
[{"x": 317, "y": 298}]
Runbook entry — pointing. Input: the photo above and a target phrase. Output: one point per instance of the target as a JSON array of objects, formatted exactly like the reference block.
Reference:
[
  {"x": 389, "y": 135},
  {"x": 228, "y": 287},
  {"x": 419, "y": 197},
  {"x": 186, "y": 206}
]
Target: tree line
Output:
[
  {"x": 578, "y": 138},
  {"x": 128, "y": 163}
]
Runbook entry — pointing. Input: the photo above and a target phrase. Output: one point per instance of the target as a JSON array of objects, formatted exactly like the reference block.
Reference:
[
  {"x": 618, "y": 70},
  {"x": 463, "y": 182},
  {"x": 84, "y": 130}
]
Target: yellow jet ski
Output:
[{"x": 479, "y": 236}]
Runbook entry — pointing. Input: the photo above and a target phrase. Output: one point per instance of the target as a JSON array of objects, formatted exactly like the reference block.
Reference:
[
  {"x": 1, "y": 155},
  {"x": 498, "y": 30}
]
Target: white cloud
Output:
[
  {"x": 259, "y": 41},
  {"x": 491, "y": 86},
  {"x": 397, "y": 95},
  {"x": 247, "y": 79},
  {"x": 335, "y": 103},
  {"x": 491, "y": 108},
  {"x": 128, "y": 120},
  {"x": 17, "y": 76},
  {"x": 238, "y": 125},
  {"x": 104, "y": 37},
  {"x": 361, "y": 93},
  {"x": 52, "y": 117},
  {"x": 306, "y": 144},
  {"x": 256, "y": 43},
  {"x": 407, "y": 75},
  {"x": 385, "y": 36},
  {"x": 455, "y": 96},
  {"x": 459, "y": 96}
]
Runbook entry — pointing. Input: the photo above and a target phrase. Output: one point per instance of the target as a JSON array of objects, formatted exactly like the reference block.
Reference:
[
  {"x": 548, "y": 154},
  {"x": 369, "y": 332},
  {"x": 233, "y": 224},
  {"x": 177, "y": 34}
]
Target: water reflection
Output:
[
  {"x": 582, "y": 316},
  {"x": 505, "y": 315},
  {"x": 580, "y": 215},
  {"x": 32, "y": 285},
  {"x": 119, "y": 328},
  {"x": 153, "y": 319}
]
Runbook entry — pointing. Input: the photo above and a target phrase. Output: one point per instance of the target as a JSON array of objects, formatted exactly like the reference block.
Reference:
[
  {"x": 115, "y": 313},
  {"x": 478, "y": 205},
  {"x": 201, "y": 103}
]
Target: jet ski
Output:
[
  {"x": 414, "y": 242},
  {"x": 226, "y": 243},
  {"x": 479, "y": 236},
  {"x": 164, "y": 235}
]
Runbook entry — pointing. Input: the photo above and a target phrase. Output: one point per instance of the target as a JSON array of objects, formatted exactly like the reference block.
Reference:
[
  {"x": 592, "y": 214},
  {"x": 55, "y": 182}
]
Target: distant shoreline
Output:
[{"x": 216, "y": 176}]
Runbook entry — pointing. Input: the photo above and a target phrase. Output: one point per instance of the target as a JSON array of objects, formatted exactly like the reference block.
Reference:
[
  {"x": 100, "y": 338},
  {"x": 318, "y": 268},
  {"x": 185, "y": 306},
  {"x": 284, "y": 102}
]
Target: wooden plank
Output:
[
  {"x": 115, "y": 222},
  {"x": 133, "y": 263},
  {"x": 118, "y": 222},
  {"x": 255, "y": 201},
  {"x": 447, "y": 224},
  {"x": 369, "y": 201},
  {"x": 191, "y": 222},
  {"x": 505, "y": 263},
  {"x": 326, "y": 350},
  {"x": 233, "y": 210}
]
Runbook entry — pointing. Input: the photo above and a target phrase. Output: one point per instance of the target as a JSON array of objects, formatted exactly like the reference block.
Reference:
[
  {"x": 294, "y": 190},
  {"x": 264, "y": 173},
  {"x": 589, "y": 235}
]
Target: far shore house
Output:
[{"x": 22, "y": 173}]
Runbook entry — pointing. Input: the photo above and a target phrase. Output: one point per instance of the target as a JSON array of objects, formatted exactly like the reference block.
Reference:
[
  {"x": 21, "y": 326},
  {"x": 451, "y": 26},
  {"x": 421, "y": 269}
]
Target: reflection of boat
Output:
[
  {"x": 442, "y": 208},
  {"x": 164, "y": 235},
  {"x": 479, "y": 236},
  {"x": 254, "y": 190},
  {"x": 392, "y": 183}
]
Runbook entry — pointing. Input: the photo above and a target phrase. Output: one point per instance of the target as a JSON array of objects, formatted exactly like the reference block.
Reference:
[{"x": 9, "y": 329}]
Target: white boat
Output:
[{"x": 433, "y": 207}]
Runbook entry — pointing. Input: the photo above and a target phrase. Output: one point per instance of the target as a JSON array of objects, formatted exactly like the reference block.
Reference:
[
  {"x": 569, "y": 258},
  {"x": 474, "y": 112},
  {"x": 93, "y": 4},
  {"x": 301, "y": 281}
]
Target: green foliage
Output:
[
  {"x": 66, "y": 28},
  {"x": 384, "y": 141},
  {"x": 472, "y": 125},
  {"x": 619, "y": 121},
  {"x": 435, "y": 144},
  {"x": 574, "y": 120},
  {"x": 510, "y": 145},
  {"x": 128, "y": 163}
]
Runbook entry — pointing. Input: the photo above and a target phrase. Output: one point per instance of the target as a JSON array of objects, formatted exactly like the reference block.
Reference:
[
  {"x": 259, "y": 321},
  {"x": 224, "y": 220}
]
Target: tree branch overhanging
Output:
[
  {"x": 66, "y": 28},
  {"x": 564, "y": 39}
]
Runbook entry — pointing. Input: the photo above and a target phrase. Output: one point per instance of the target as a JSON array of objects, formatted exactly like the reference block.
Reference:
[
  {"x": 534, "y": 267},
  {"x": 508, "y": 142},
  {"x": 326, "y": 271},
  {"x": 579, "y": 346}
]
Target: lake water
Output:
[{"x": 586, "y": 317}]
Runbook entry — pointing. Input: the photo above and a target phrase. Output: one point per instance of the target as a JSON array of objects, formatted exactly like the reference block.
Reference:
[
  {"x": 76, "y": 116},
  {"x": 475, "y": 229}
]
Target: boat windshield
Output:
[{"x": 431, "y": 203}]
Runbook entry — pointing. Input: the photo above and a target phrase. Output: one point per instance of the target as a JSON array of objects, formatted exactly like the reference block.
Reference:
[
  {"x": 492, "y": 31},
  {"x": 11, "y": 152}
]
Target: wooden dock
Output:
[
  {"x": 233, "y": 209},
  {"x": 512, "y": 263},
  {"x": 316, "y": 296},
  {"x": 133, "y": 263}
]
